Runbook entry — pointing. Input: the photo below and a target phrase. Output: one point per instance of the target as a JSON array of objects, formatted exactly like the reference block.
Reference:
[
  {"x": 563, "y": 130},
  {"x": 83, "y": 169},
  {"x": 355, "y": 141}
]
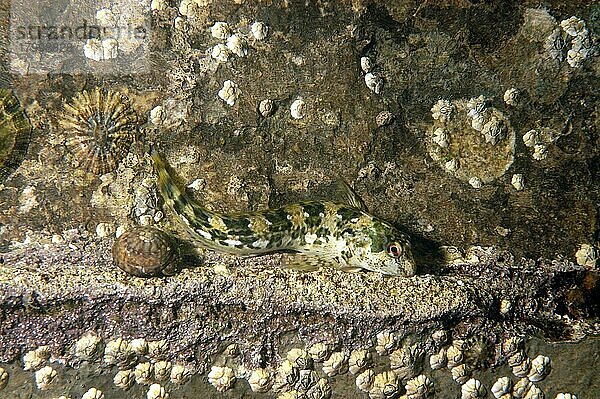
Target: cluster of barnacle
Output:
[
  {"x": 572, "y": 31},
  {"x": 373, "y": 80},
  {"x": 102, "y": 127},
  {"x": 539, "y": 140},
  {"x": 588, "y": 255}
]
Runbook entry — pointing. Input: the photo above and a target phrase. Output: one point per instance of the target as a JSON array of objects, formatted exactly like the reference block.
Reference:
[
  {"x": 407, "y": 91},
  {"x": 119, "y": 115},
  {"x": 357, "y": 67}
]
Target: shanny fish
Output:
[{"x": 316, "y": 233}]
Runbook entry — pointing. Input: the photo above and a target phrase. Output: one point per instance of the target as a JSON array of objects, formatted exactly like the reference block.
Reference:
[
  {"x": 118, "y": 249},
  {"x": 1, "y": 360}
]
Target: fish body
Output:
[{"x": 318, "y": 233}]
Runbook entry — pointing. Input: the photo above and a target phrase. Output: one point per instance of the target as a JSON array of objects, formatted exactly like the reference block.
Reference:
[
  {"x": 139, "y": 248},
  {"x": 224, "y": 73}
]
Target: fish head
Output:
[{"x": 390, "y": 252}]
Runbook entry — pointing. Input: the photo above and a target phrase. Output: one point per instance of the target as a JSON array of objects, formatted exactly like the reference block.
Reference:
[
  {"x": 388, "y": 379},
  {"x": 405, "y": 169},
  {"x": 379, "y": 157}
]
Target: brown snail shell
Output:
[{"x": 146, "y": 252}]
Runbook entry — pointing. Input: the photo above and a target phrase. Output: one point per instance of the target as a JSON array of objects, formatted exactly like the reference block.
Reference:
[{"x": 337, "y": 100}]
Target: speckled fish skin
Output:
[{"x": 319, "y": 233}]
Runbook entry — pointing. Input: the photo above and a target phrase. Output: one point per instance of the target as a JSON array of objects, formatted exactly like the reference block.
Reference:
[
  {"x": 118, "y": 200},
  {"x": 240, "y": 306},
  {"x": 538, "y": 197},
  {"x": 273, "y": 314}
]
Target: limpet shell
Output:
[
  {"x": 146, "y": 252},
  {"x": 15, "y": 133}
]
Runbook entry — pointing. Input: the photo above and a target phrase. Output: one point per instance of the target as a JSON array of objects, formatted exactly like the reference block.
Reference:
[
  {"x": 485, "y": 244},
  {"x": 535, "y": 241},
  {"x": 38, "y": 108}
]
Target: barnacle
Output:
[
  {"x": 472, "y": 389},
  {"x": 512, "y": 345},
  {"x": 119, "y": 352},
  {"x": 562, "y": 395},
  {"x": 319, "y": 352},
  {"x": 366, "y": 64},
  {"x": 420, "y": 387},
  {"x": 306, "y": 379},
  {"x": 299, "y": 358},
  {"x": 143, "y": 373},
  {"x": 180, "y": 374},
  {"x": 511, "y": 96},
  {"x": 3, "y": 378},
  {"x": 518, "y": 181},
  {"x": 15, "y": 133},
  {"x": 44, "y": 377},
  {"x": 124, "y": 379},
  {"x": 406, "y": 361},
  {"x": 359, "y": 360},
  {"x": 162, "y": 370},
  {"x": 93, "y": 393},
  {"x": 440, "y": 137},
  {"x": 521, "y": 387},
  {"x": 320, "y": 390},
  {"x": 336, "y": 364},
  {"x": 221, "y": 53},
  {"x": 364, "y": 381},
  {"x": 442, "y": 110},
  {"x": 222, "y": 378},
  {"x": 260, "y": 380},
  {"x": 103, "y": 127},
  {"x": 298, "y": 109},
  {"x": 157, "y": 392},
  {"x": 293, "y": 394},
  {"x": 494, "y": 130},
  {"x": 587, "y": 255},
  {"x": 286, "y": 375},
  {"x": 145, "y": 252},
  {"x": 438, "y": 360},
  {"x": 229, "y": 92},
  {"x": 502, "y": 386},
  {"x": 139, "y": 346},
  {"x": 259, "y": 30},
  {"x": 385, "y": 385},
  {"x": 522, "y": 369},
  {"x": 534, "y": 393},
  {"x": 220, "y": 30},
  {"x": 237, "y": 45},
  {"x": 386, "y": 342},
  {"x": 440, "y": 336},
  {"x": 461, "y": 373},
  {"x": 266, "y": 107},
  {"x": 88, "y": 346},
  {"x": 33, "y": 360},
  {"x": 540, "y": 368},
  {"x": 374, "y": 82}
]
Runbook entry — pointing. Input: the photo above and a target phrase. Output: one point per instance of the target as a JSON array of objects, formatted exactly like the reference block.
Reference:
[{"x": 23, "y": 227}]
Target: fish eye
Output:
[{"x": 394, "y": 249}]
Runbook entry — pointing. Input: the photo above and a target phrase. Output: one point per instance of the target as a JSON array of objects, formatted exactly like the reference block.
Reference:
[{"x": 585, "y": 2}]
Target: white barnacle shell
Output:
[
  {"x": 336, "y": 364},
  {"x": 531, "y": 138},
  {"x": 229, "y": 93},
  {"x": 472, "y": 389},
  {"x": 518, "y": 181},
  {"x": 364, "y": 381},
  {"x": 286, "y": 375},
  {"x": 511, "y": 96},
  {"x": 521, "y": 388},
  {"x": 478, "y": 122},
  {"x": 220, "y": 30},
  {"x": 501, "y": 387},
  {"x": 180, "y": 374},
  {"x": 299, "y": 358},
  {"x": 139, "y": 346},
  {"x": 374, "y": 82},
  {"x": 494, "y": 130},
  {"x": 266, "y": 107},
  {"x": 143, "y": 373},
  {"x": 259, "y": 30},
  {"x": 522, "y": 369},
  {"x": 461, "y": 373},
  {"x": 366, "y": 64},
  {"x": 319, "y": 352},
  {"x": 33, "y": 360},
  {"x": 237, "y": 45},
  {"x": 386, "y": 342},
  {"x": 476, "y": 106},
  {"x": 260, "y": 380},
  {"x": 44, "y": 377},
  {"x": 88, "y": 346},
  {"x": 162, "y": 370},
  {"x": 420, "y": 387},
  {"x": 297, "y": 109},
  {"x": 587, "y": 255},
  {"x": 516, "y": 358},
  {"x": 572, "y": 26},
  {"x": 567, "y": 395},
  {"x": 540, "y": 151},
  {"x": 405, "y": 362},
  {"x": 442, "y": 110},
  {"x": 475, "y": 182},
  {"x": 124, "y": 379},
  {"x": 512, "y": 345},
  {"x": 385, "y": 385},
  {"x": 452, "y": 165},
  {"x": 158, "y": 5},
  {"x": 554, "y": 44},
  {"x": 440, "y": 137},
  {"x": 306, "y": 379},
  {"x": 320, "y": 390},
  {"x": 156, "y": 391},
  {"x": 359, "y": 360},
  {"x": 222, "y": 378},
  {"x": 3, "y": 378},
  {"x": 93, "y": 393},
  {"x": 438, "y": 360},
  {"x": 119, "y": 352},
  {"x": 440, "y": 336},
  {"x": 534, "y": 393},
  {"x": 540, "y": 368},
  {"x": 157, "y": 115},
  {"x": 455, "y": 355},
  {"x": 220, "y": 53}
]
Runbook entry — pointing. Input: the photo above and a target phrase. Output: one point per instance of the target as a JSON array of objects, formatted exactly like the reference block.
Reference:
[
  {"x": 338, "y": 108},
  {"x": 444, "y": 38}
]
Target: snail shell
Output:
[{"x": 146, "y": 252}]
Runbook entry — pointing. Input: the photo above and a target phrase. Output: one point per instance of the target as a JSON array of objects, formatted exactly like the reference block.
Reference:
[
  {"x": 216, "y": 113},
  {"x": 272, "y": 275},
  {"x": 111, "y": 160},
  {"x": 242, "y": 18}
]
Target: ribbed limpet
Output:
[
  {"x": 146, "y": 252},
  {"x": 103, "y": 127},
  {"x": 15, "y": 133}
]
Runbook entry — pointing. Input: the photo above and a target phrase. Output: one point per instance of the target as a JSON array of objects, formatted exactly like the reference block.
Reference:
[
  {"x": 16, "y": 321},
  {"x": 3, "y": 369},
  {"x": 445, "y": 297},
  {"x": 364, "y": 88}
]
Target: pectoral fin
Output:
[{"x": 309, "y": 262}]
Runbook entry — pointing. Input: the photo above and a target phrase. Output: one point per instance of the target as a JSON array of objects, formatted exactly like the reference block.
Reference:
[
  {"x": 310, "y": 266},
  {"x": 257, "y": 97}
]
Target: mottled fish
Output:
[{"x": 318, "y": 233}]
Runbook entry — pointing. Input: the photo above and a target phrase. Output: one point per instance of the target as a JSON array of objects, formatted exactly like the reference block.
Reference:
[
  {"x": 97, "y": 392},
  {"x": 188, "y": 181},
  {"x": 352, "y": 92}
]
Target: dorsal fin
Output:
[{"x": 350, "y": 197}]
